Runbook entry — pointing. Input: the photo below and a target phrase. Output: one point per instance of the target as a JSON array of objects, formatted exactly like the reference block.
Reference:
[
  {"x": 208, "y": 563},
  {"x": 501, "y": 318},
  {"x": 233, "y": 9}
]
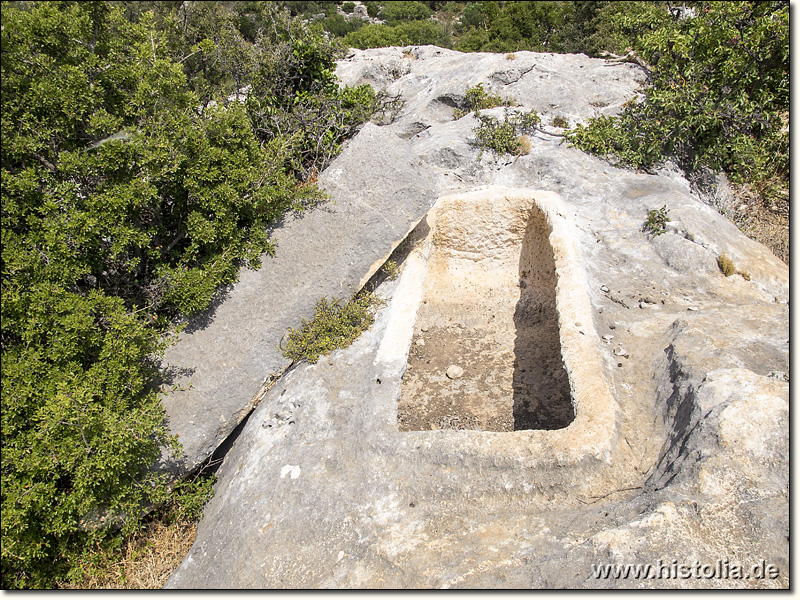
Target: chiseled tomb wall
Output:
[{"x": 499, "y": 330}]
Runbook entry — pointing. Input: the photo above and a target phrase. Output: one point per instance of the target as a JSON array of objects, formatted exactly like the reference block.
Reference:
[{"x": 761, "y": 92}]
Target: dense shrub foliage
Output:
[
  {"x": 412, "y": 33},
  {"x": 132, "y": 188},
  {"x": 719, "y": 94},
  {"x": 405, "y": 10}
]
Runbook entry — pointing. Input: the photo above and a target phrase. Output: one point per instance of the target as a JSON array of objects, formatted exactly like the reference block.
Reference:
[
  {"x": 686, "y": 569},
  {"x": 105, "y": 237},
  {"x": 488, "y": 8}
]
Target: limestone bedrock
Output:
[
  {"x": 679, "y": 449},
  {"x": 226, "y": 358}
]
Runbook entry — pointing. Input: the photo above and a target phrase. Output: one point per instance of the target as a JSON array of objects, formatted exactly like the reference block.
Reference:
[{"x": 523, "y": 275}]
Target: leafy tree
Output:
[
  {"x": 472, "y": 41},
  {"x": 373, "y": 8},
  {"x": 305, "y": 8},
  {"x": 338, "y": 26},
  {"x": 612, "y": 26},
  {"x": 473, "y": 16},
  {"x": 128, "y": 197},
  {"x": 720, "y": 87},
  {"x": 295, "y": 96}
]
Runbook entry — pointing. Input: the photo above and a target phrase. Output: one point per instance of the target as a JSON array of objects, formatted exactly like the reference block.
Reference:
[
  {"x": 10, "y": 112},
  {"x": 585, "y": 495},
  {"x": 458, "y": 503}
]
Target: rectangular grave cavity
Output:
[{"x": 485, "y": 352}]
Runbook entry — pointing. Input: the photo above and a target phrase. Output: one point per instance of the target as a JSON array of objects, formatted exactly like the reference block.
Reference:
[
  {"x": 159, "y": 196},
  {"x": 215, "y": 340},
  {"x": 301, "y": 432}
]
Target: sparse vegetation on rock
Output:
[
  {"x": 720, "y": 88},
  {"x": 391, "y": 269},
  {"x": 335, "y": 325},
  {"x": 506, "y": 136},
  {"x": 657, "y": 220},
  {"x": 478, "y": 98},
  {"x": 726, "y": 265},
  {"x": 148, "y": 147},
  {"x": 728, "y": 268}
]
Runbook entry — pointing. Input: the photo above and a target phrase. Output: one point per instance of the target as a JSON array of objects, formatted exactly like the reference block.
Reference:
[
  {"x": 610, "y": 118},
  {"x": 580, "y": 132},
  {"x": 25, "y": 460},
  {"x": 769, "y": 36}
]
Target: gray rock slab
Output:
[
  {"x": 334, "y": 496},
  {"x": 694, "y": 466},
  {"x": 433, "y": 82},
  {"x": 225, "y": 357}
]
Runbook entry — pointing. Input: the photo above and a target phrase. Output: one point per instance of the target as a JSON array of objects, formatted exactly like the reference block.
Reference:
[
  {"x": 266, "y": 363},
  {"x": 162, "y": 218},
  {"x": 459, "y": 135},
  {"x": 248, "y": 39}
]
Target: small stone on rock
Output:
[{"x": 454, "y": 371}]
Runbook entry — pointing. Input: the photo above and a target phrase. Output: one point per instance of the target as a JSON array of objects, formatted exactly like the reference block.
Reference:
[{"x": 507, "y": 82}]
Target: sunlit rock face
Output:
[{"x": 650, "y": 423}]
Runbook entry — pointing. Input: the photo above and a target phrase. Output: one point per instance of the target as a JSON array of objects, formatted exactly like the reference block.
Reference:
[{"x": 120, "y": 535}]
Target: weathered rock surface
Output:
[
  {"x": 678, "y": 453},
  {"x": 224, "y": 360}
]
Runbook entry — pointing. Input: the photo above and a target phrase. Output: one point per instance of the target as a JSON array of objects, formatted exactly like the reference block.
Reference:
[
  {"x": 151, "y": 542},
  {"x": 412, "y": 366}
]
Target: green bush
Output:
[
  {"x": 719, "y": 93},
  {"x": 414, "y": 33},
  {"x": 657, "y": 220},
  {"x": 348, "y": 7},
  {"x": 477, "y": 99},
  {"x": 513, "y": 26},
  {"x": 335, "y": 325},
  {"x": 295, "y": 97},
  {"x": 391, "y": 269},
  {"x": 506, "y": 136},
  {"x": 473, "y": 16},
  {"x": 302, "y": 7},
  {"x": 399, "y": 11},
  {"x": 338, "y": 26},
  {"x": 373, "y": 8}
]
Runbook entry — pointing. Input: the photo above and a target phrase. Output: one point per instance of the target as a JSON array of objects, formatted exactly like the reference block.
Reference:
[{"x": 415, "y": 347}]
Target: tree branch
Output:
[{"x": 47, "y": 164}]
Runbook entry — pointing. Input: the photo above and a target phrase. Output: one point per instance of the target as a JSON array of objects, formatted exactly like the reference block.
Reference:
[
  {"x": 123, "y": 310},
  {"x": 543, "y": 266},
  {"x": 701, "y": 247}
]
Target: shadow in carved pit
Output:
[{"x": 541, "y": 390}]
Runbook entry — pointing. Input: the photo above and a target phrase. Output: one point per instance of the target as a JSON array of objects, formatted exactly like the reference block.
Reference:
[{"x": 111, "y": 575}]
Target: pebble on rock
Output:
[{"x": 454, "y": 372}]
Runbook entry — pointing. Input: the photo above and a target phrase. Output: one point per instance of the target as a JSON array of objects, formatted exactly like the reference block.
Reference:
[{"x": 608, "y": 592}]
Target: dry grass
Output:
[
  {"x": 726, "y": 265},
  {"x": 767, "y": 225},
  {"x": 524, "y": 145},
  {"x": 145, "y": 561}
]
